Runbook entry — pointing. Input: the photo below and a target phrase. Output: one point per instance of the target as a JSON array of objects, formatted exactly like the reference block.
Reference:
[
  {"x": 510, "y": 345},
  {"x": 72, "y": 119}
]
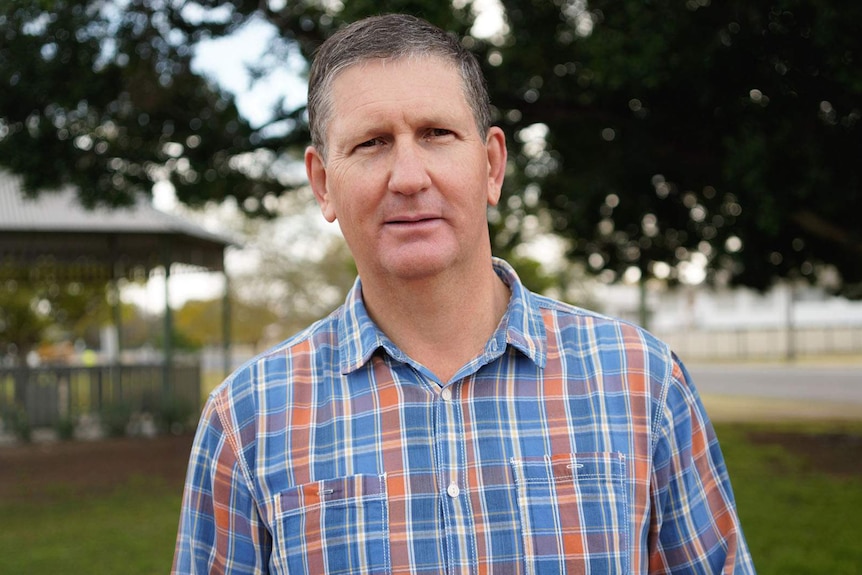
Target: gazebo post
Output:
[
  {"x": 116, "y": 317},
  {"x": 116, "y": 309},
  {"x": 226, "y": 331},
  {"x": 110, "y": 244},
  {"x": 168, "y": 344}
]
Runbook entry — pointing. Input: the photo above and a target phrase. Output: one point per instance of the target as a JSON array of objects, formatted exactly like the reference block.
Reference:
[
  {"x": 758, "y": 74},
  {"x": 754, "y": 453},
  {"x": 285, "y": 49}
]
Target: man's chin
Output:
[{"x": 417, "y": 267}]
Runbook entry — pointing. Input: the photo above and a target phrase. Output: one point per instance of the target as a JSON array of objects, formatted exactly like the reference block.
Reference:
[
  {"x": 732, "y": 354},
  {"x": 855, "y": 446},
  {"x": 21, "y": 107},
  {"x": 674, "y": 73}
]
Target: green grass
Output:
[
  {"x": 798, "y": 518},
  {"x": 129, "y": 531}
]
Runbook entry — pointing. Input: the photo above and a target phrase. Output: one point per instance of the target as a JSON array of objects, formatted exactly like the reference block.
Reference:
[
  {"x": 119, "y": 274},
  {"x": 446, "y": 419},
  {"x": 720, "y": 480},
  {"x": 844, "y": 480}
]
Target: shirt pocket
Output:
[
  {"x": 573, "y": 512},
  {"x": 334, "y": 526}
]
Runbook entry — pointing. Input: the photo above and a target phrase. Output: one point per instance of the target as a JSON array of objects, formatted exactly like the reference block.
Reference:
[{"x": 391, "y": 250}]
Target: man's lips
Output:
[{"x": 412, "y": 219}]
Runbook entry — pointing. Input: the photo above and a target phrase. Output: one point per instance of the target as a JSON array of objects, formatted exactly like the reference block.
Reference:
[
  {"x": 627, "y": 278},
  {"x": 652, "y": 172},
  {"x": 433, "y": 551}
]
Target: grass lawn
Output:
[
  {"x": 798, "y": 487},
  {"x": 799, "y": 494},
  {"x": 130, "y": 530}
]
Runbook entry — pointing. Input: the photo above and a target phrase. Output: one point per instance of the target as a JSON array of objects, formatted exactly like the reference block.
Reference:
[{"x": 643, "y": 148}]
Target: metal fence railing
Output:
[
  {"x": 44, "y": 396},
  {"x": 765, "y": 343}
]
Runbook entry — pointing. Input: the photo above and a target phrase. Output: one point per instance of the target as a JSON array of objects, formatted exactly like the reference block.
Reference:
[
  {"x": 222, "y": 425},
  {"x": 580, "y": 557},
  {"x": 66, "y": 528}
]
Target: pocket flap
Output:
[
  {"x": 332, "y": 491},
  {"x": 569, "y": 467}
]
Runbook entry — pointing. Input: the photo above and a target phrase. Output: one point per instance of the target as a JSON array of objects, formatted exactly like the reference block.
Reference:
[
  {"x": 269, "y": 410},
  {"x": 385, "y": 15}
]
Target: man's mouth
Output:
[{"x": 412, "y": 219}]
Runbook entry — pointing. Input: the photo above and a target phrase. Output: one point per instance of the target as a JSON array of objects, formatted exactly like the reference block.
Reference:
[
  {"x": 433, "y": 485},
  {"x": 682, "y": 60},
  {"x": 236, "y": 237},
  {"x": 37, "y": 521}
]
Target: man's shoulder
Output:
[
  {"x": 595, "y": 326},
  {"x": 316, "y": 343},
  {"x": 572, "y": 313}
]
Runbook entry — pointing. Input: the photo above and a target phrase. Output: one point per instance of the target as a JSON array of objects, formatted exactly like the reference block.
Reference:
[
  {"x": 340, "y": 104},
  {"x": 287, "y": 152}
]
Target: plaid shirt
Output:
[{"x": 574, "y": 443}]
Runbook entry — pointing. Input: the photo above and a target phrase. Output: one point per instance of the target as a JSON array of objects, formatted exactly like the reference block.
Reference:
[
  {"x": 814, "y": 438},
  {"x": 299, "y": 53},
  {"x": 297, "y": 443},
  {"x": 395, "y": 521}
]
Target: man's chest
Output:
[{"x": 482, "y": 475}]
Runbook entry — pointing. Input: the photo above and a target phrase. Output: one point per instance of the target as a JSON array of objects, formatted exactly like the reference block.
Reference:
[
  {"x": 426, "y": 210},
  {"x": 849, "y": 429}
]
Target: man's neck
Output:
[{"x": 441, "y": 322}]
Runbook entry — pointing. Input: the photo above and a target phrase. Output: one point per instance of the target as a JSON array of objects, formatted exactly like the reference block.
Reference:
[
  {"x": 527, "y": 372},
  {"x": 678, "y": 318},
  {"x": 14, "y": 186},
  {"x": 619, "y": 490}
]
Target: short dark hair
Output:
[{"x": 390, "y": 37}]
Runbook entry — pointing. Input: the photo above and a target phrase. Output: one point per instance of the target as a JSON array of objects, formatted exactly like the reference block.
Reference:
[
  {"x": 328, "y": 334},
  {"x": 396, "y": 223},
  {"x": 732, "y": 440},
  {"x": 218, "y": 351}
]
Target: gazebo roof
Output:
[{"x": 55, "y": 231}]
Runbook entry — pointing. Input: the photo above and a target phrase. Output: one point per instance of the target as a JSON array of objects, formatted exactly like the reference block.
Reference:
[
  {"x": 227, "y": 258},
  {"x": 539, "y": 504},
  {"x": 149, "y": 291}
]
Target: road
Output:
[{"x": 836, "y": 384}]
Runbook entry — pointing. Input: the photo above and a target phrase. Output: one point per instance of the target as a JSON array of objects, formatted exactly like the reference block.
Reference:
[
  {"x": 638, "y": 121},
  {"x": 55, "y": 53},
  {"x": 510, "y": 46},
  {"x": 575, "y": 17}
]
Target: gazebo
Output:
[{"x": 54, "y": 237}]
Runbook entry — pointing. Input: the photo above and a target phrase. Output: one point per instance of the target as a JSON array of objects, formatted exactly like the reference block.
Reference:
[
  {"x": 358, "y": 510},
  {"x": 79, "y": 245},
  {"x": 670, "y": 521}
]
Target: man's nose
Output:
[{"x": 408, "y": 173}]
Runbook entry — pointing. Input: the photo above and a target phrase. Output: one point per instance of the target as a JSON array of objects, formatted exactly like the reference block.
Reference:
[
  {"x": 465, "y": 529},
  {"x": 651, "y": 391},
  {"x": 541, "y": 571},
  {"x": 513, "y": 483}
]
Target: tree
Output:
[
  {"x": 198, "y": 322},
  {"x": 654, "y": 133},
  {"x": 302, "y": 269},
  {"x": 293, "y": 269},
  {"x": 101, "y": 95},
  {"x": 49, "y": 311},
  {"x": 727, "y": 131}
]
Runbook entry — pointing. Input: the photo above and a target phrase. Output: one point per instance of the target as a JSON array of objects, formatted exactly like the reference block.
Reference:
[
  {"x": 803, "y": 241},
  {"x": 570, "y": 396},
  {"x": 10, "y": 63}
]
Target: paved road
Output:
[{"x": 817, "y": 383}]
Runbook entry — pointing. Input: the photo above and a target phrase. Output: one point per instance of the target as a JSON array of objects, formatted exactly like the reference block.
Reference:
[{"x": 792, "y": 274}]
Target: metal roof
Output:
[{"x": 54, "y": 231}]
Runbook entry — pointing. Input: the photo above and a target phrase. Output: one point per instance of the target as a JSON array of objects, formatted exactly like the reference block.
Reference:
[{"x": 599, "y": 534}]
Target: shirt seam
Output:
[
  {"x": 230, "y": 438},
  {"x": 665, "y": 389}
]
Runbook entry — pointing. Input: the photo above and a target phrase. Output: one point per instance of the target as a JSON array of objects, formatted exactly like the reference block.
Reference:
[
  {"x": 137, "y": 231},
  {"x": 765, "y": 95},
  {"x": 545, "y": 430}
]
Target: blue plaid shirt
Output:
[{"x": 574, "y": 443}]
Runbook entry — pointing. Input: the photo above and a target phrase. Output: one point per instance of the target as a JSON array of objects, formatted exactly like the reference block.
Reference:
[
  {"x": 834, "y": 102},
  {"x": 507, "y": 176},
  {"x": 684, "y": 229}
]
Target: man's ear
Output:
[
  {"x": 495, "y": 146},
  {"x": 315, "y": 169}
]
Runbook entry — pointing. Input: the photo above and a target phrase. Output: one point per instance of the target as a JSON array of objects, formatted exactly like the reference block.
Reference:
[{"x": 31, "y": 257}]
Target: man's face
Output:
[{"x": 407, "y": 175}]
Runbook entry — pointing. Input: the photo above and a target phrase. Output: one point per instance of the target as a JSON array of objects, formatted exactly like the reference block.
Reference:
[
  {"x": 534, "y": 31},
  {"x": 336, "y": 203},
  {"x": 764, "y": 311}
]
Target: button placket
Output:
[
  {"x": 455, "y": 506},
  {"x": 452, "y": 490}
]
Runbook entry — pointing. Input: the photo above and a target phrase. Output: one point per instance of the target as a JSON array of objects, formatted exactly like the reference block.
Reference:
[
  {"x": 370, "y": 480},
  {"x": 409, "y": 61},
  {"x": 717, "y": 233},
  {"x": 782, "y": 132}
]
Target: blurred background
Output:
[{"x": 688, "y": 165}]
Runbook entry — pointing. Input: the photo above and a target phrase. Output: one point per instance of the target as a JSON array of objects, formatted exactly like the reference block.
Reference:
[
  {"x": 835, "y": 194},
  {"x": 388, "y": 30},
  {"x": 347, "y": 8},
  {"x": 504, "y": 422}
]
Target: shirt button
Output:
[
  {"x": 453, "y": 490},
  {"x": 446, "y": 394}
]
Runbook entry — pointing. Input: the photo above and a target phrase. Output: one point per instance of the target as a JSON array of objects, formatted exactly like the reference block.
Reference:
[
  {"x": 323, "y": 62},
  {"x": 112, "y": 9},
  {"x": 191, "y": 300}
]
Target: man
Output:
[{"x": 445, "y": 419}]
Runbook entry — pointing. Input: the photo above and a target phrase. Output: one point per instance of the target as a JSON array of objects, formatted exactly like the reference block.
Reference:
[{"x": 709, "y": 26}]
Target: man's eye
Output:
[
  {"x": 438, "y": 132},
  {"x": 369, "y": 143}
]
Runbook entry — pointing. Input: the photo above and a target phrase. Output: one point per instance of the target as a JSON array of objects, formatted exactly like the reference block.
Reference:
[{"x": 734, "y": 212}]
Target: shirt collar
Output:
[{"x": 522, "y": 326}]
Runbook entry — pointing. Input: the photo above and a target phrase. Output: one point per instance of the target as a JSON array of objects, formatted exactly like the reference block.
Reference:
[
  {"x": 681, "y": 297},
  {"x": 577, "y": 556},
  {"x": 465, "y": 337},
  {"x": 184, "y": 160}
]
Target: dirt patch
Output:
[
  {"x": 44, "y": 470},
  {"x": 838, "y": 454}
]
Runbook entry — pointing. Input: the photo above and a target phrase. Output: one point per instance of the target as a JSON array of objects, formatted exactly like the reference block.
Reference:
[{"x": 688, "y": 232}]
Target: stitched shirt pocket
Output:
[
  {"x": 334, "y": 526},
  {"x": 573, "y": 511}
]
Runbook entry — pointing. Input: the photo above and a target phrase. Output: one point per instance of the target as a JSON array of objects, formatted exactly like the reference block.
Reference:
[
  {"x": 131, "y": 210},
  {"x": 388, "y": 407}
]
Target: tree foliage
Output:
[
  {"x": 101, "y": 95},
  {"x": 199, "y": 322},
  {"x": 652, "y": 133},
  {"x": 302, "y": 271},
  {"x": 724, "y": 129},
  {"x": 293, "y": 272},
  {"x": 49, "y": 312}
]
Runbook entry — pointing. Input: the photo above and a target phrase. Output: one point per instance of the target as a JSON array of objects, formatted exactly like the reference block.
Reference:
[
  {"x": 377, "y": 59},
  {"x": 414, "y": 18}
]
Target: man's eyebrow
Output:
[{"x": 368, "y": 127}]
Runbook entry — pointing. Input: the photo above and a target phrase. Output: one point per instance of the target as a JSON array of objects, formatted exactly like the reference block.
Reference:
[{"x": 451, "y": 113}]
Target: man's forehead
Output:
[
  {"x": 421, "y": 58},
  {"x": 400, "y": 80}
]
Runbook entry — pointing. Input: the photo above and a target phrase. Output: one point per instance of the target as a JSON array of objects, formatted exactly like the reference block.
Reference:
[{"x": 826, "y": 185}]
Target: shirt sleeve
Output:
[
  {"x": 220, "y": 529},
  {"x": 695, "y": 527}
]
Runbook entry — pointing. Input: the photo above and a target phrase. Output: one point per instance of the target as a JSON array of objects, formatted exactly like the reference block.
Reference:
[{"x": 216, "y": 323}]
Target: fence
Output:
[
  {"x": 46, "y": 396},
  {"x": 766, "y": 343}
]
